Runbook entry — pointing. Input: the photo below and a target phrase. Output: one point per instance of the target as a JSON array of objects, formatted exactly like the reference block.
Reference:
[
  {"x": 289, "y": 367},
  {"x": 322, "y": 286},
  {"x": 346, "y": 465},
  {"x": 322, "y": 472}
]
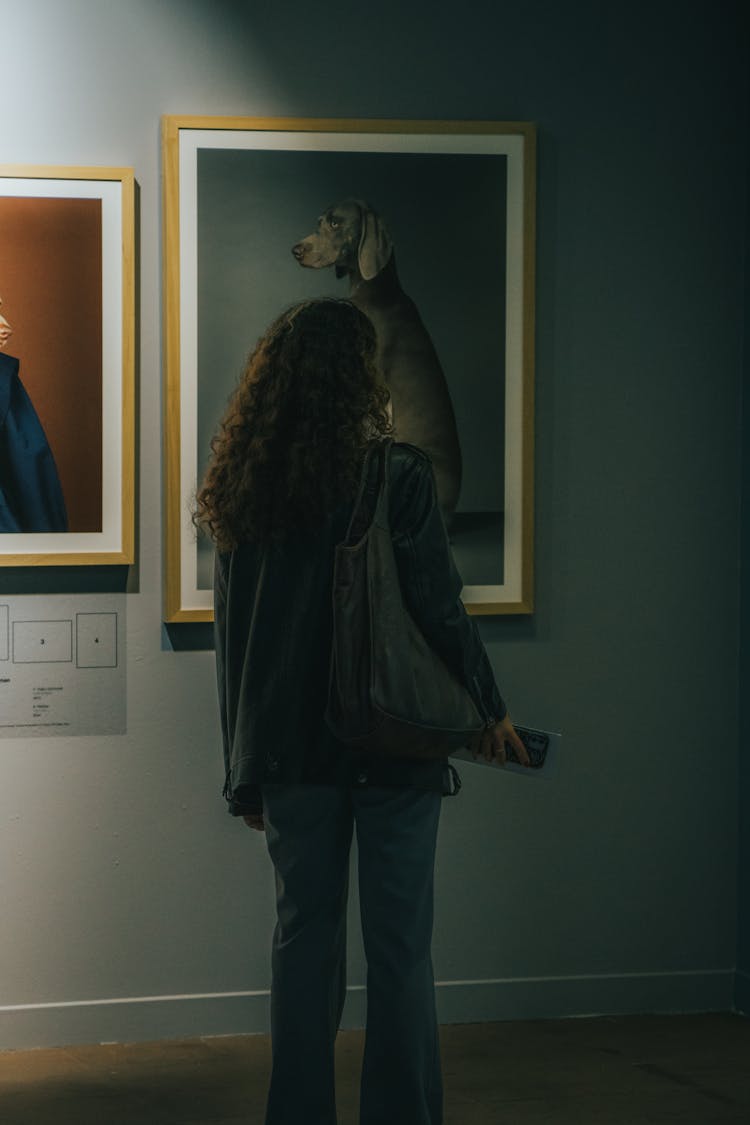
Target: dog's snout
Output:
[{"x": 299, "y": 251}]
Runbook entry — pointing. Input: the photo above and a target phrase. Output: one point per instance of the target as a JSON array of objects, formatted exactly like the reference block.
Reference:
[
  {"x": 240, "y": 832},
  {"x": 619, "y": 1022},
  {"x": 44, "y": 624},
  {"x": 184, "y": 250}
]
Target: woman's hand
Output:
[
  {"x": 492, "y": 743},
  {"x": 255, "y": 820}
]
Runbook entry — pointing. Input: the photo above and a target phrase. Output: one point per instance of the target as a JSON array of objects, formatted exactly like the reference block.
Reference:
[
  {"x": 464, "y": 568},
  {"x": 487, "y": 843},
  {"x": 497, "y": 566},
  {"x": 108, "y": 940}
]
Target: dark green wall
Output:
[{"x": 641, "y": 221}]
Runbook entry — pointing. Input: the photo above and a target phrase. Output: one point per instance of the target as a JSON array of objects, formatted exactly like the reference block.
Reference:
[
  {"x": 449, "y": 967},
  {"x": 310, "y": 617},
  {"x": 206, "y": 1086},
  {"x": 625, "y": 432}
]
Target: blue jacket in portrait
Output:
[{"x": 31, "y": 498}]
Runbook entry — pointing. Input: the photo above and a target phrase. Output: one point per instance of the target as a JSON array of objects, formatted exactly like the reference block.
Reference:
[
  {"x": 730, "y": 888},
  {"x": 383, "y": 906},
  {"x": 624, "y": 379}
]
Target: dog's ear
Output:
[{"x": 375, "y": 246}]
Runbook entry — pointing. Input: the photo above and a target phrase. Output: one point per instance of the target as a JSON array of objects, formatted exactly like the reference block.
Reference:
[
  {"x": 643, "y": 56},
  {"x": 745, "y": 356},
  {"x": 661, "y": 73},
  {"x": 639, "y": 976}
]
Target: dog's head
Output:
[{"x": 349, "y": 236}]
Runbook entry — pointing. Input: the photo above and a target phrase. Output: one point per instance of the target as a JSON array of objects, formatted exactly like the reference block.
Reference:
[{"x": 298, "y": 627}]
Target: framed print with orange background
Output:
[{"x": 66, "y": 365}]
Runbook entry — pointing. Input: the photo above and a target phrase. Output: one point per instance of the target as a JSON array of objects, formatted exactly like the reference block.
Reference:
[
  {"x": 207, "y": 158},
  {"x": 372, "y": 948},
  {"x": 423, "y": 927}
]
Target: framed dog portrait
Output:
[
  {"x": 261, "y": 213},
  {"x": 66, "y": 365}
]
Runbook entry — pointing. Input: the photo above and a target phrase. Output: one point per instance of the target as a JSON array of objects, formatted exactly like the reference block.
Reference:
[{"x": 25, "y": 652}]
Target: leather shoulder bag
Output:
[{"x": 389, "y": 692}]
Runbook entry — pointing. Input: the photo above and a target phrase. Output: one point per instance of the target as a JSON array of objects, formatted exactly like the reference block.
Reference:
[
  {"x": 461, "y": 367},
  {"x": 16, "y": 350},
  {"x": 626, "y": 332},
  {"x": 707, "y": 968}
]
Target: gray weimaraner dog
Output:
[{"x": 351, "y": 237}]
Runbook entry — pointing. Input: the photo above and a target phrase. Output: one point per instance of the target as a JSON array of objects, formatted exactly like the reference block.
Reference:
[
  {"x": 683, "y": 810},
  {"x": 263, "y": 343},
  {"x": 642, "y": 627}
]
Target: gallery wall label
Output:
[{"x": 62, "y": 665}]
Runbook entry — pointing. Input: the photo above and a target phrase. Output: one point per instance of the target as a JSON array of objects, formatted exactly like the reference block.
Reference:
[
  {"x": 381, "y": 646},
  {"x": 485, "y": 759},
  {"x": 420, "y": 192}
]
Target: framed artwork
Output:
[
  {"x": 66, "y": 365},
  {"x": 242, "y": 200}
]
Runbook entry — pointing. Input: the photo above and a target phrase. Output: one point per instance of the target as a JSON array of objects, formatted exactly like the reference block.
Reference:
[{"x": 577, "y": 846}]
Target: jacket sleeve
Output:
[
  {"x": 220, "y": 639},
  {"x": 246, "y": 798},
  {"x": 431, "y": 584}
]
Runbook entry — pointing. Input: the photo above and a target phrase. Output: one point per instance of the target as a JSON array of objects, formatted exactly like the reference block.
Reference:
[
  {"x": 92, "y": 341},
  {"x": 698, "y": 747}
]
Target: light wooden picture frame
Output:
[
  {"x": 458, "y": 198},
  {"x": 67, "y": 396}
]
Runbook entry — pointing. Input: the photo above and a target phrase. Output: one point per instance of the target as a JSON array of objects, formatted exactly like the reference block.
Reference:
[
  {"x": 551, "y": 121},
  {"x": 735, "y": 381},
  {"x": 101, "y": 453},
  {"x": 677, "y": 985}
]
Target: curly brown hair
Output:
[{"x": 290, "y": 446}]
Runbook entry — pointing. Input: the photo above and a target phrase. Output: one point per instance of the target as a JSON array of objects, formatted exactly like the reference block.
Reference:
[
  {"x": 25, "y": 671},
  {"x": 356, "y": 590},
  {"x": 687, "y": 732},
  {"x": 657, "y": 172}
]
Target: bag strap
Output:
[
  {"x": 364, "y": 510},
  {"x": 381, "y": 508}
]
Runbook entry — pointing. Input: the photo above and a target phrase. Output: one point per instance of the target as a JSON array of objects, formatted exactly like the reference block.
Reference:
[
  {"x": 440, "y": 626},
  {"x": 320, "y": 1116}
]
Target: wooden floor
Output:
[{"x": 644, "y": 1070}]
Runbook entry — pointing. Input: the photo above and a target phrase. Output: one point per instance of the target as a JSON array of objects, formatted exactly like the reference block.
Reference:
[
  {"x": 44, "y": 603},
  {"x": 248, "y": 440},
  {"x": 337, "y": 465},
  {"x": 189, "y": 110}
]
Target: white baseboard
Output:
[
  {"x": 530, "y": 998},
  {"x": 134, "y": 1019},
  {"x": 146, "y": 1018}
]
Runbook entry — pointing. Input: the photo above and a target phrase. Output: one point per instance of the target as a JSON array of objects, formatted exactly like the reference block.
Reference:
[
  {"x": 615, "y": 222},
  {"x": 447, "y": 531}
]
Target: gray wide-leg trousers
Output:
[{"x": 309, "y": 833}]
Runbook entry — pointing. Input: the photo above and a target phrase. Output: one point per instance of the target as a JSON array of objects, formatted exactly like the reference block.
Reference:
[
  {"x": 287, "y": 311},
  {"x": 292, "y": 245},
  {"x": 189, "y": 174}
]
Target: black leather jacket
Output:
[{"x": 273, "y": 637}]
